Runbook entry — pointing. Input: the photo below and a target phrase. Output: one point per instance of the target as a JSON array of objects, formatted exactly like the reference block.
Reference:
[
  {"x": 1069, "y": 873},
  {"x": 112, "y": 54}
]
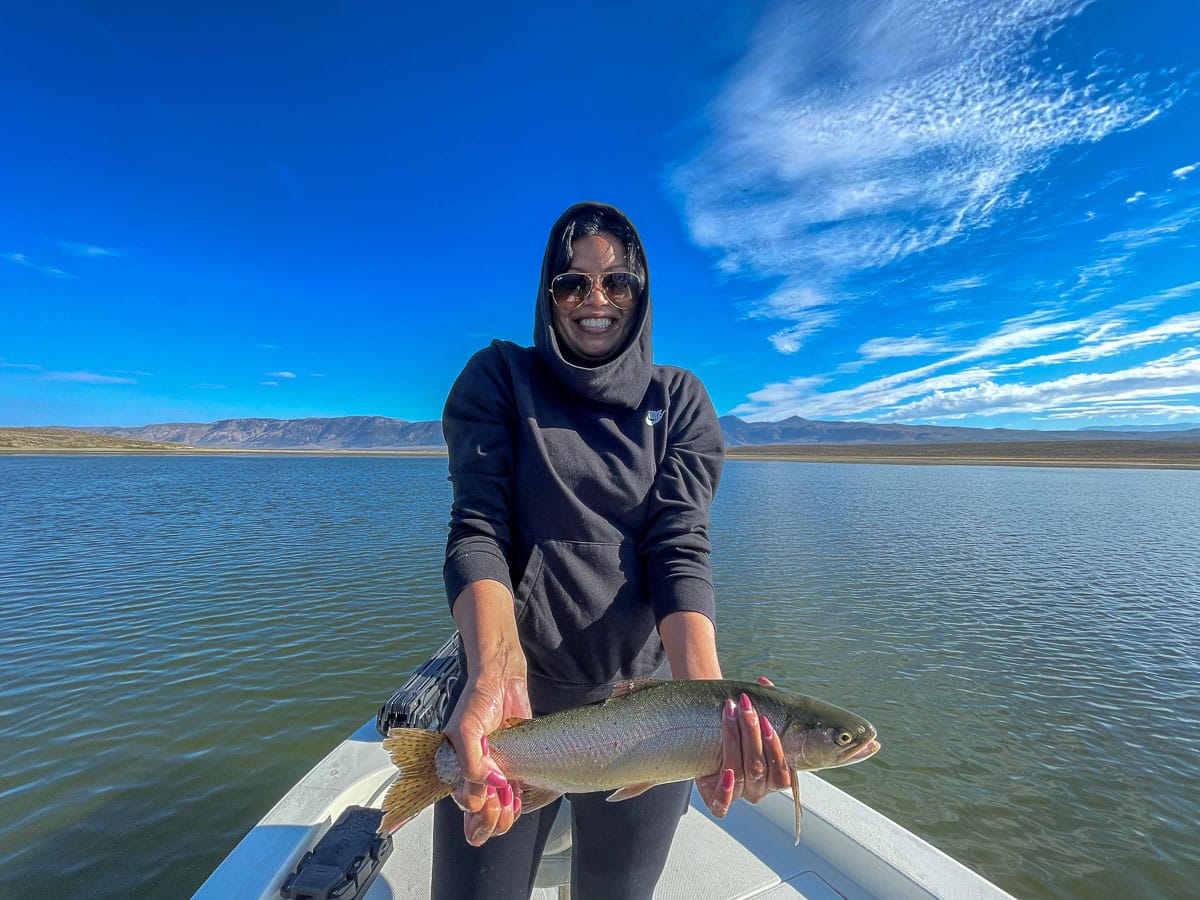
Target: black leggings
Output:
[{"x": 618, "y": 849}]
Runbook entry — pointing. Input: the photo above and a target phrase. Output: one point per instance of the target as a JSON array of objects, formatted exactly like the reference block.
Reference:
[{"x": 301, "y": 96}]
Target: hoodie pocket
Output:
[
  {"x": 529, "y": 578},
  {"x": 583, "y": 615}
]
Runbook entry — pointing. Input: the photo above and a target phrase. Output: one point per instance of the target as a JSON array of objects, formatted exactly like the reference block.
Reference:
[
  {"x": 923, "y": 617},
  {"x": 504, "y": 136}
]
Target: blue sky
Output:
[{"x": 977, "y": 213}]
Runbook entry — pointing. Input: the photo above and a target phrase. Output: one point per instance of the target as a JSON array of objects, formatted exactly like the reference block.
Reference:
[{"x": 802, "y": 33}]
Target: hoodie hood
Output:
[{"x": 621, "y": 380}]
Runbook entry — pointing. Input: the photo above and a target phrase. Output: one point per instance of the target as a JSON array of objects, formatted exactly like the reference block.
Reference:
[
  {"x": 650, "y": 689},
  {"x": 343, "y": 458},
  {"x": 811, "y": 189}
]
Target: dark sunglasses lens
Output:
[
  {"x": 621, "y": 287},
  {"x": 569, "y": 289}
]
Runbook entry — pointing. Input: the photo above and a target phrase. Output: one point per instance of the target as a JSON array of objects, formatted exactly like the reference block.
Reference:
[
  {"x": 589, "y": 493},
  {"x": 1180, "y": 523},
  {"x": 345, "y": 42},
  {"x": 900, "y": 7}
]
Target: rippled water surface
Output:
[{"x": 184, "y": 637}]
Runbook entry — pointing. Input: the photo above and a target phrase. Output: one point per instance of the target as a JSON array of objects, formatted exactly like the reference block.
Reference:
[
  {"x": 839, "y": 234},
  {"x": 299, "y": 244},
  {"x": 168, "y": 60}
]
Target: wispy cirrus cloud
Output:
[
  {"x": 41, "y": 373},
  {"x": 281, "y": 375},
  {"x": 891, "y": 348},
  {"x": 22, "y": 260},
  {"x": 87, "y": 378},
  {"x": 87, "y": 251},
  {"x": 859, "y": 134},
  {"x": 984, "y": 379},
  {"x": 1175, "y": 374}
]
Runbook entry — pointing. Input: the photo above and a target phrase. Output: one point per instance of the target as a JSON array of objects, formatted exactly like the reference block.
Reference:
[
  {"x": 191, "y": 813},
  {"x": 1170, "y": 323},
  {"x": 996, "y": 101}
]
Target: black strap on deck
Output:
[{"x": 344, "y": 862}]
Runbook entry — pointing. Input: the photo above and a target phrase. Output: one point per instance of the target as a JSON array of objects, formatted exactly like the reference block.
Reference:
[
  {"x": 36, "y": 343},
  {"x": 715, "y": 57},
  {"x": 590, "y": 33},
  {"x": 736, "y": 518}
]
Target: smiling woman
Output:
[
  {"x": 577, "y": 560},
  {"x": 596, "y": 293}
]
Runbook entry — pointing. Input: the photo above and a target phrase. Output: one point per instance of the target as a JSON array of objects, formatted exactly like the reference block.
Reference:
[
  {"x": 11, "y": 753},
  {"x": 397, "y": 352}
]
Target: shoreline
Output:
[
  {"x": 1108, "y": 454},
  {"x": 1114, "y": 454}
]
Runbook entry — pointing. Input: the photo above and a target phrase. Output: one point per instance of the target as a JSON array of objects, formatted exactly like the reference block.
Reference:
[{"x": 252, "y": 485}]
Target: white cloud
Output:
[
  {"x": 1184, "y": 171},
  {"x": 790, "y": 339},
  {"x": 87, "y": 378},
  {"x": 280, "y": 374},
  {"x": 41, "y": 373},
  {"x": 1137, "y": 195},
  {"x": 1128, "y": 409},
  {"x": 268, "y": 384},
  {"x": 1135, "y": 238},
  {"x": 857, "y": 134},
  {"x": 22, "y": 260},
  {"x": 1177, "y": 374},
  {"x": 975, "y": 371},
  {"x": 890, "y": 347},
  {"x": 959, "y": 284},
  {"x": 91, "y": 251}
]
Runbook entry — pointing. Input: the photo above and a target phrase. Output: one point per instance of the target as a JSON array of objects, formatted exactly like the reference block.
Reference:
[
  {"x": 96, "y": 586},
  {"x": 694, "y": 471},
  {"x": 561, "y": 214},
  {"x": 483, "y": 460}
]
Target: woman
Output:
[{"x": 578, "y": 558}]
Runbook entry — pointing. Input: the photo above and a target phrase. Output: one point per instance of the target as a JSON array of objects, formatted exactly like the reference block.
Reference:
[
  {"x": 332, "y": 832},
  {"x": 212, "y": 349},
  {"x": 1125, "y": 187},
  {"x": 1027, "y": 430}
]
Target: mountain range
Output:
[{"x": 382, "y": 433}]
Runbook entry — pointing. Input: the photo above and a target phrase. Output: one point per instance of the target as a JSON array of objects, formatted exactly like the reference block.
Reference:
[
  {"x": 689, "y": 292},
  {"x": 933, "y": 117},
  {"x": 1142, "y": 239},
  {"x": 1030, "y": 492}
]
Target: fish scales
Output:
[{"x": 615, "y": 744}]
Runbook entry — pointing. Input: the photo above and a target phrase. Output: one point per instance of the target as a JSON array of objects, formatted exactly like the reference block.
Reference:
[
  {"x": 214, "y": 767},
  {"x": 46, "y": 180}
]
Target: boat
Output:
[{"x": 847, "y": 850}]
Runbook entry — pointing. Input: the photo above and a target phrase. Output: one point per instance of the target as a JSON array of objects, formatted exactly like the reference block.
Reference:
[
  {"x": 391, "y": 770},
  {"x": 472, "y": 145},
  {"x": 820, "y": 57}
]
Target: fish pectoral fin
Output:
[
  {"x": 630, "y": 790},
  {"x": 632, "y": 686},
  {"x": 796, "y": 801},
  {"x": 513, "y": 722},
  {"x": 535, "y": 797}
]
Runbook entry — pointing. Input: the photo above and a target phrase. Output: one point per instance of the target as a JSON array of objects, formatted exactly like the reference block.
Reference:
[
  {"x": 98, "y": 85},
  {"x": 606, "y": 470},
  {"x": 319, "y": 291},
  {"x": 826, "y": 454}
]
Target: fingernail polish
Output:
[
  {"x": 730, "y": 710},
  {"x": 516, "y": 803},
  {"x": 491, "y": 792},
  {"x": 727, "y": 780},
  {"x": 483, "y": 744},
  {"x": 765, "y": 723},
  {"x": 746, "y": 703},
  {"x": 506, "y": 795},
  {"x": 495, "y": 779}
]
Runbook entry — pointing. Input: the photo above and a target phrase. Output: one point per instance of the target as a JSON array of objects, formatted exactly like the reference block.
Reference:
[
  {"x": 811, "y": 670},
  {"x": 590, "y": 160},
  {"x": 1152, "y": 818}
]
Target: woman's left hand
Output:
[{"x": 752, "y": 760}]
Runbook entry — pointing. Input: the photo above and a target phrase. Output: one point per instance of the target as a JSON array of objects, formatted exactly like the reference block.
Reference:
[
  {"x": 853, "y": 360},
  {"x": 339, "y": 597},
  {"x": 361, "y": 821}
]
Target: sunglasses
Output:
[{"x": 570, "y": 289}]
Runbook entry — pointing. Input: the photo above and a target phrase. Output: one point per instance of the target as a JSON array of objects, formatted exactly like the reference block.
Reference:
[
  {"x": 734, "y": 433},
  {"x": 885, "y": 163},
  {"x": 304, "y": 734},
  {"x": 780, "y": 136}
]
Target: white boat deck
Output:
[{"x": 847, "y": 850}]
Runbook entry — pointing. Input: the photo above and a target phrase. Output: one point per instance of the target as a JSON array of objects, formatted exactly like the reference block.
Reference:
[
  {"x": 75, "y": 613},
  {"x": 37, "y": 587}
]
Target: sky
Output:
[{"x": 966, "y": 212}]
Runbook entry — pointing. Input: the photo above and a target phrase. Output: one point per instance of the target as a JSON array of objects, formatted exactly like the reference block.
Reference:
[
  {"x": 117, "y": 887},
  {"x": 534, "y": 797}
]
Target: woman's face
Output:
[{"x": 595, "y": 329}]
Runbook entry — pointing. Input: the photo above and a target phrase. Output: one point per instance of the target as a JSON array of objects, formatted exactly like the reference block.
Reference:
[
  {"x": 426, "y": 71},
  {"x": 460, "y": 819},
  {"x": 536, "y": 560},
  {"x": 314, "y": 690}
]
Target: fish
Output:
[{"x": 649, "y": 732}]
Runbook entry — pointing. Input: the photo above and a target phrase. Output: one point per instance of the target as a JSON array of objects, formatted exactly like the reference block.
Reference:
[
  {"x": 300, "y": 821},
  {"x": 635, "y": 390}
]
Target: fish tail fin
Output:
[{"x": 413, "y": 751}]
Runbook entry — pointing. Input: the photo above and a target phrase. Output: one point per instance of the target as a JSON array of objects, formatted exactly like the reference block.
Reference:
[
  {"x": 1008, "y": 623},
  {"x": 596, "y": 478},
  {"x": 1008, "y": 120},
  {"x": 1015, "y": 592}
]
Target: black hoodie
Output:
[{"x": 585, "y": 490}]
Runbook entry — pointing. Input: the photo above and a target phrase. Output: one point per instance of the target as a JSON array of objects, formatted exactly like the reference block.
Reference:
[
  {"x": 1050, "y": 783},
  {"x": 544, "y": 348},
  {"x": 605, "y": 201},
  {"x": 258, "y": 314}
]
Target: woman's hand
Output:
[
  {"x": 495, "y": 691},
  {"x": 752, "y": 760},
  {"x": 490, "y": 803}
]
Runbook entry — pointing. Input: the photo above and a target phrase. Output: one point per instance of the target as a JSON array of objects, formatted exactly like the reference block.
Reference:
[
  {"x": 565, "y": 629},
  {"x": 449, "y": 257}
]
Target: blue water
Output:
[{"x": 184, "y": 636}]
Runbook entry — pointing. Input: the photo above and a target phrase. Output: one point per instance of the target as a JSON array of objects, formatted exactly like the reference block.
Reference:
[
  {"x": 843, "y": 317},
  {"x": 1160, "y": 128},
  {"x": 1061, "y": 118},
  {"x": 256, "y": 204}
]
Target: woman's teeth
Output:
[{"x": 595, "y": 323}]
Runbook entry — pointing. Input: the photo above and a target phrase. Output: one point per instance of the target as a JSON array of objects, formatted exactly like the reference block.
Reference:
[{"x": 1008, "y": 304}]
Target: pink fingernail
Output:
[
  {"x": 491, "y": 792},
  {"x": 746, "y": 703},
  {"x": 483, "y": 744},
  {"x": 730, "y": 710},
  {"x": 506, "y": 795},
  {"x": 727, "y": 780},
  {"x": 496, "y": 780},
  {"x": 765, "y": 724},
  {"x": 517, "y": 803}
]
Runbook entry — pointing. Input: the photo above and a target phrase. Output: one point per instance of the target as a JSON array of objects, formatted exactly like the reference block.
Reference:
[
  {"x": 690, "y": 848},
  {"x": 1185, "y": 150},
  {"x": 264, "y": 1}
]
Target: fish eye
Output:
[{"x": 843, "y": 738}]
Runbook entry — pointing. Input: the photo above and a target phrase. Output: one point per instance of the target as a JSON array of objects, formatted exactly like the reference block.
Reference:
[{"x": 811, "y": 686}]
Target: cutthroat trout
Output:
[{"x": 648, "y": 733}]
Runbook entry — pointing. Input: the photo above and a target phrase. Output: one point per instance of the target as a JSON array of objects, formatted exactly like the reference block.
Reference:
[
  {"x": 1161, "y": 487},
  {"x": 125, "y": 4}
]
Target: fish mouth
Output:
[{"x": 859, "y": 753}]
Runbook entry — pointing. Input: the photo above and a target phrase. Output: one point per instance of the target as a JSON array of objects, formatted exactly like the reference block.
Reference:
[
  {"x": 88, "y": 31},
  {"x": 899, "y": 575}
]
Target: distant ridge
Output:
[
  {"x": 382, "y": 433},
  {"x": 795, "y": 430},
  {"x": 344, "y": 433}
]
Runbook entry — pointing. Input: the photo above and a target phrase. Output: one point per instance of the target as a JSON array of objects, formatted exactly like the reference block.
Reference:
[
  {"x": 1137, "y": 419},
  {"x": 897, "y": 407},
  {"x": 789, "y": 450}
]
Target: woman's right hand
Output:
[
  {"x": 490, "y": 803},
  {"x": 494, "y": 692}
]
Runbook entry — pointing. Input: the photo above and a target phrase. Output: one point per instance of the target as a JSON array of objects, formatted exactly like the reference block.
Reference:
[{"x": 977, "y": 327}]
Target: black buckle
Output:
[{"x": 345, "y": 861}]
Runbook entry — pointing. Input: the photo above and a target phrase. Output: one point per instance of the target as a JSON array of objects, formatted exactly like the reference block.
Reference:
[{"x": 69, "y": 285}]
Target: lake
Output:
[{"x": 185, "y": 636}]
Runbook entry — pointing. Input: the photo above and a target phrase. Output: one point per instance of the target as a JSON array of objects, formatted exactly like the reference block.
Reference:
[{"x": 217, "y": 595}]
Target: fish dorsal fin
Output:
[
  {"x": 513, "y": 722},
  {"x": 630, "y": 790},
  {"x": 632, "y": 686}
]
